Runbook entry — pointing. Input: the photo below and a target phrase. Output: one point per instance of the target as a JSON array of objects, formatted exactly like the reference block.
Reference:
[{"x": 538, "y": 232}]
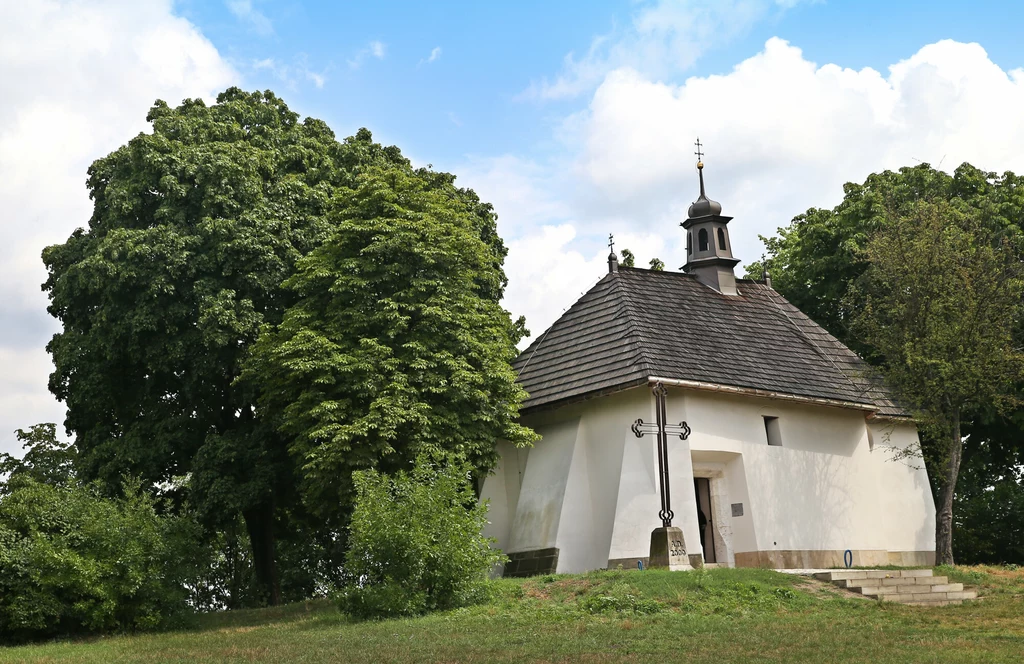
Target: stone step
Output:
[
  {"x": 928, "y": 597},
  {"x": 851, "y": 574},
  {"x": 892, "y": 581},
  {"x": 910, "y": 589},
  {"x": 918, "y": 587},
  {"x": 915, "y": 580}
]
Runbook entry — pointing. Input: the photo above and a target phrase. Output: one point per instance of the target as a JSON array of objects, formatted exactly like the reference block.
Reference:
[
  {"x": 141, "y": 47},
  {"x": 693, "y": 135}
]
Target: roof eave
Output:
[
  {"x": 871, "y": 410},
  {"x": 763, "y": 394}
]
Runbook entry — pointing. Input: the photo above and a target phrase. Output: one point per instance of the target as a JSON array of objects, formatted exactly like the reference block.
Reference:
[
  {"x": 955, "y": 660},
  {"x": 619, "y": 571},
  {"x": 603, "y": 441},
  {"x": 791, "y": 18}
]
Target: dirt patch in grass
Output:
[
  {"x": 826, "y": 590},
  {"x": 565, "y": 589},
  {"x": 238, "y": 630}
]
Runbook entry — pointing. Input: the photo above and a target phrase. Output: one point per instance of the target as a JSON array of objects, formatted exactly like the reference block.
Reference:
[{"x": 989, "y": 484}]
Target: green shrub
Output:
[
  {"x": 415, "y": 542},
  {"x": 73, "y": 561}
]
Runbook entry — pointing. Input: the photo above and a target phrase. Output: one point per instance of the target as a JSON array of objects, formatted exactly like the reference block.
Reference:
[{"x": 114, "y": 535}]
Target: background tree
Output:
[
  {"x": 194, "y": 227},
  {"x": 816, "y": 258},
  {"x": 73, "y": 560},
  {"x": 657, "y": 264},
  {"x": 628, "y": 259},
  {"x": 397, "y": 342},
  {"x": 46, "y": 459},
  {"x": 939, "y": 302},
  {"x": 989, "y": 502}
]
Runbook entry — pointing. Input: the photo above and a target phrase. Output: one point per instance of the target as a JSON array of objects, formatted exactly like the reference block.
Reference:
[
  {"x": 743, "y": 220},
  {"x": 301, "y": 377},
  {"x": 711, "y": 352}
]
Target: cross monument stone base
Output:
[{"x": 668, "y": 550}]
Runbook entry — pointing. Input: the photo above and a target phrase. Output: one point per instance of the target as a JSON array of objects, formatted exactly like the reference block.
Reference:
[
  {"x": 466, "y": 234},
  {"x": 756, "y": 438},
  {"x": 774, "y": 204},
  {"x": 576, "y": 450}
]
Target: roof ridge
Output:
[{"x": 859, "y": 390}]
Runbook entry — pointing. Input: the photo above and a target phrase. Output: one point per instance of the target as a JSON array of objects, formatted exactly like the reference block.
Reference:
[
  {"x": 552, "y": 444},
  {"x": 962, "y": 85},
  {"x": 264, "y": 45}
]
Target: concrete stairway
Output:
[{"x": 917, "y": 587}]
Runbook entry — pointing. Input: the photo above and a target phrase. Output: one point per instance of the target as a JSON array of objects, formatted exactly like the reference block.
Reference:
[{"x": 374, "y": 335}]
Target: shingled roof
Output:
[{"x": 637, "y": 324}]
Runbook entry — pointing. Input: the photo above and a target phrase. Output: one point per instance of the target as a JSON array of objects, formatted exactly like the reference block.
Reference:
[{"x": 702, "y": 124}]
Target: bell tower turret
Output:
[{"x": 708, "y": 247}]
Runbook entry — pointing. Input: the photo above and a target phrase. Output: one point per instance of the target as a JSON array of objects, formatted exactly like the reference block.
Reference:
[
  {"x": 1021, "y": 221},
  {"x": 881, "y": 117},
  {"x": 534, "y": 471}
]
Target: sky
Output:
[{"x": 575, "y": 119}]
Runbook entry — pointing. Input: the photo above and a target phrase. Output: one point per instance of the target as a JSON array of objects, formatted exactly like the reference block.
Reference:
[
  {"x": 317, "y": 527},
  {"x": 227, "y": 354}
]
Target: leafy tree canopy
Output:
[
  {"x": 815, "y": 260},
  {"x": 73, "y": 560},
  {"x": 990, "y": 491},
  {"x": 821, "y": 252},
  {"x": 195, "y": 229},
  {"x": 939, "y": 303},
  {"x": 397, "y": 341},
  {"x": 46, "y": 460}
]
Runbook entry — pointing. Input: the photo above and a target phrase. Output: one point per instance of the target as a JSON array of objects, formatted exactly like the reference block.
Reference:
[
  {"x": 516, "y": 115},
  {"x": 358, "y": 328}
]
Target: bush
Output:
[
  {"x": 73, "y": 561},
  {"x": 415, "y": 542}
]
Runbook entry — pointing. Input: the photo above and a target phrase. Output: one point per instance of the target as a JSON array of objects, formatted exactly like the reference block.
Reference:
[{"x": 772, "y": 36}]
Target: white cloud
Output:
[
  {"x": 664, "y": 38},
  {"x": 318, "y": 79},
  {"x": 781, "y": 134},
  {"x": 78, "y": 80},
  {"x": 375, "y": 49},
  {"x": 254, "y": 18},
  {"x": 435, "y": 55},
  {"x": 522, "y": 192},
  {"x": 784, "y": 134},
  {"x": 291, "y": 74},
  {"x": 547, "y": 274}
]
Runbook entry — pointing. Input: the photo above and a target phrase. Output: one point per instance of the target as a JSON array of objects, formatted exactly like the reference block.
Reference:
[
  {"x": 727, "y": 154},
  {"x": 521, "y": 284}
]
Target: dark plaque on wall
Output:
[{"x": 737, "y": 509}]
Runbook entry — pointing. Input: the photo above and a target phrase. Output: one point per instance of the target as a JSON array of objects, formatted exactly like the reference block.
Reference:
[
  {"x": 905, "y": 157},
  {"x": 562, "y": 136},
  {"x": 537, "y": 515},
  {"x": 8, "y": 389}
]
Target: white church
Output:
[{"x": 789, "y": 462}]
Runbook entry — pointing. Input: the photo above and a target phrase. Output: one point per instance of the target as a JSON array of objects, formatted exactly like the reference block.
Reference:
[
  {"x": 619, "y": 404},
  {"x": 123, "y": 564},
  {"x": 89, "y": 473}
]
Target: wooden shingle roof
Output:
[{"x": 637, "y": 324}]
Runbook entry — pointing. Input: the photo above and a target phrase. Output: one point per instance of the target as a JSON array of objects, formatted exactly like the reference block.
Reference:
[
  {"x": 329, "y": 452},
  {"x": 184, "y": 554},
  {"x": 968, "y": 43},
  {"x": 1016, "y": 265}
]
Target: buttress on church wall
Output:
[{"x": 589, "y": 487}]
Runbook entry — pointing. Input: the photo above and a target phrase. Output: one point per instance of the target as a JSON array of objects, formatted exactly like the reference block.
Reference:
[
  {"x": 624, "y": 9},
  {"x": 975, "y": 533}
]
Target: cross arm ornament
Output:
[{"x": 641, "y": 429}]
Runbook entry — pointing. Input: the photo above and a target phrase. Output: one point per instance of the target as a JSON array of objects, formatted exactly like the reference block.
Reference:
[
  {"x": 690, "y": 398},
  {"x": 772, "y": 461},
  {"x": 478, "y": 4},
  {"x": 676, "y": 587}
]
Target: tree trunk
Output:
[
  {"x": 944, "y": 516},
  {"x": 259, "y": 522}
]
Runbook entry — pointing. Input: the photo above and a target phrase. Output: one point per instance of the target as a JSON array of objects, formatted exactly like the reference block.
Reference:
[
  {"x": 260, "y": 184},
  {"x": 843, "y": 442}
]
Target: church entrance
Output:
[{"x": 705, "y": 518}]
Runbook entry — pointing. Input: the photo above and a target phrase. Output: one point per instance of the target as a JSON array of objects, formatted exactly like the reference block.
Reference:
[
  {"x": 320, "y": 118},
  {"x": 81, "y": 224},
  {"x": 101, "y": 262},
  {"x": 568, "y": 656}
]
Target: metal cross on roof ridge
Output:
[
  {"x": 700, "y": 155},
  {"x": 611, "y": 243}
]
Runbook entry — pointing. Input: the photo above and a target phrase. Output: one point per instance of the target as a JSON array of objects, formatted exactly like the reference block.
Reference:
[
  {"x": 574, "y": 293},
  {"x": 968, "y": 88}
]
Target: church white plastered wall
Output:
[{"x": 586, "y": 495}]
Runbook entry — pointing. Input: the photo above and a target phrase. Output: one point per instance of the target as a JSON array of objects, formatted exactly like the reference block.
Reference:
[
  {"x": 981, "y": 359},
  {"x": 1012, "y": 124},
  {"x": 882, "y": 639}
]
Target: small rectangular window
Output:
[{"x": 771, "y": 430}]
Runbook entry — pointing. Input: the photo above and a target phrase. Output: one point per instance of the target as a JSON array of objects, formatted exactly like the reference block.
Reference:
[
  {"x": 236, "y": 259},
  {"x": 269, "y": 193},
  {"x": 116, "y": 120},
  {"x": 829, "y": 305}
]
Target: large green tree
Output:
[
  {"x": 194, "y": 228},
  {"x": 396, "y": 342},
  {"x": 939, "y": 303},
  {"x": 816, "y": 258}
]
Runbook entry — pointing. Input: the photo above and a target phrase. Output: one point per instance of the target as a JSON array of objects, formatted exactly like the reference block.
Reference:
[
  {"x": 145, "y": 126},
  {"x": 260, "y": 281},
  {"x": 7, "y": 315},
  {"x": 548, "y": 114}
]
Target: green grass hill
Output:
[{"x": 722, "y": 615}]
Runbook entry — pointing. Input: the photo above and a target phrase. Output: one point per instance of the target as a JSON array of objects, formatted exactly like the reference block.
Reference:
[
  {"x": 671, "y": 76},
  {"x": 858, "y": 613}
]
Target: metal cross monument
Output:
[{"x": 662, "y": 430}]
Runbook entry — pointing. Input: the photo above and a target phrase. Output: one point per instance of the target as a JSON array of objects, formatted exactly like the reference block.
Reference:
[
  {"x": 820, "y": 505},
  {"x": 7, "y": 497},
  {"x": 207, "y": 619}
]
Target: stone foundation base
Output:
[
  {"x": 629, "y": 563},
  {"x": 807, "y": 559},
  {"x": 532, "y": 563}
]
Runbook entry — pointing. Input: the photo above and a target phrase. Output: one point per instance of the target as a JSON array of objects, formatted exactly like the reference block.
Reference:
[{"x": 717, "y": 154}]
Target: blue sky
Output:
[
  {"x": 470, "y": 99},
  {"x": 575, "y": 119}
]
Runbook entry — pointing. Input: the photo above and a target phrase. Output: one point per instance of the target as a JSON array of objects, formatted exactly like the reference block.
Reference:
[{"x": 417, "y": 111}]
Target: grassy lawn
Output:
[{"x": 720, "y": 615}]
